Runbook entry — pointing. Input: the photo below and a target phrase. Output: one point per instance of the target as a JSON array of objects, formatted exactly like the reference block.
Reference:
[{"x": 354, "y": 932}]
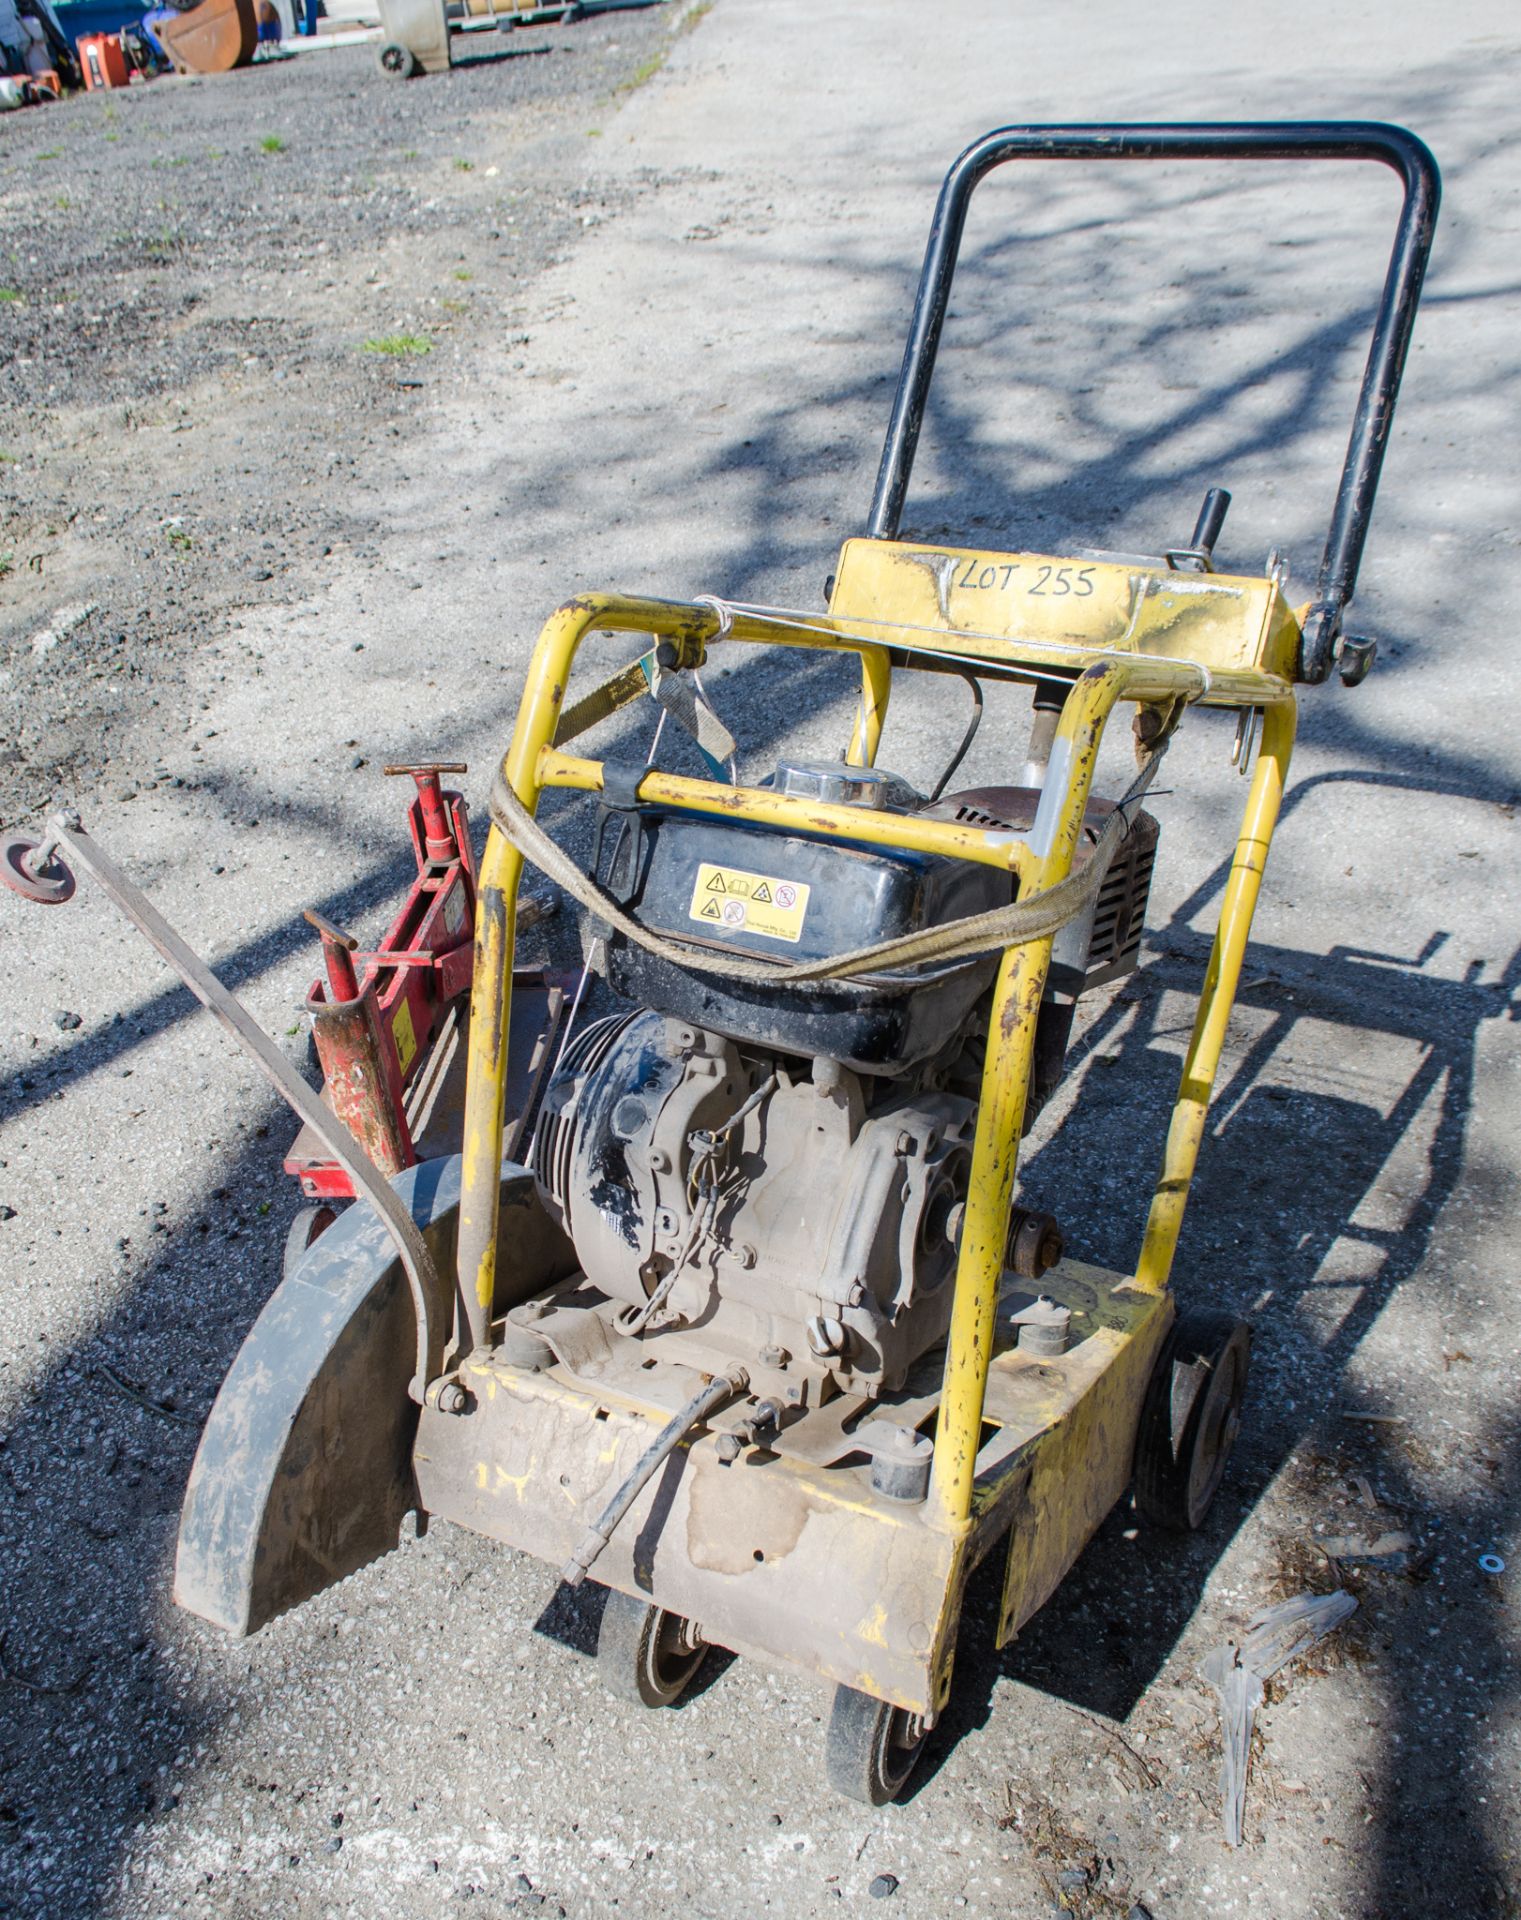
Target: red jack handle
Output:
[{"x": 338, "y": 949}]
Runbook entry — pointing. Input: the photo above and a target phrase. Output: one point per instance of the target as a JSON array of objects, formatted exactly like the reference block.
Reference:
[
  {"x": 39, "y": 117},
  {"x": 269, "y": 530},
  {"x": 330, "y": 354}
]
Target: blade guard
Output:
[{"x": 304, "y": 1470}]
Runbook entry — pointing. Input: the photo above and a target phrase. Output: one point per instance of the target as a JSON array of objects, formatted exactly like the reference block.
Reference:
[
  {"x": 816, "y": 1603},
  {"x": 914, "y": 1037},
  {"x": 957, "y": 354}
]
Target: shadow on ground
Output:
[{"x": 1289, "y": 1174}]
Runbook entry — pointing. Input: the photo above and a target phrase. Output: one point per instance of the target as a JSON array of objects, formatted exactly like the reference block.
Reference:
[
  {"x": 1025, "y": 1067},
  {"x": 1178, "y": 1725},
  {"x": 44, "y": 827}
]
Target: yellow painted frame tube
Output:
[
  {"x": 496, "y": 924},
  {"x": 1006, "y": 1075},
  {"x": 1001, "y": 1114},
  {"x": 990, "y": 847},
  {"x": 1185, "y": 1132},
  {"x": 871, "y": 713}
]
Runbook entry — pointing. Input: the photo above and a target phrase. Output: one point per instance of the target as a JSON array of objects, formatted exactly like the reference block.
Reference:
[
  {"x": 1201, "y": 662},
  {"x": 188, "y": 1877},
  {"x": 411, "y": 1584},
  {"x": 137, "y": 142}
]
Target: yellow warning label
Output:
[
  {"x": 405, "y": 1037},
  {"x": 730, "y": 900}
]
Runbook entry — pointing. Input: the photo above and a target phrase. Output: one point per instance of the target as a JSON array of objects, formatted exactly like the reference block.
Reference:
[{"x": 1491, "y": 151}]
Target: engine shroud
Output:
[
  {"x": 825, "y": 1238},
  {"x": 673, "y": 871}
]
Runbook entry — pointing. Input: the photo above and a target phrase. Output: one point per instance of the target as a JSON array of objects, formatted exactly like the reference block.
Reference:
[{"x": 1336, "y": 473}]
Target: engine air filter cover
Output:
[{"x": 833, "y": 781}]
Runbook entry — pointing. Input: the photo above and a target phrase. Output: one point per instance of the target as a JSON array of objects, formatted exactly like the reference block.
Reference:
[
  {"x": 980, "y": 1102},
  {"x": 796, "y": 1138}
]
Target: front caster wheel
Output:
[
  {"x": 1189, "y": 1421},
  {"x": 646, "y": 1655},
  {"x": 872, "y": 1747},
  {"x": 398, "y": 61},
  {"x": 48, "y": 883}
]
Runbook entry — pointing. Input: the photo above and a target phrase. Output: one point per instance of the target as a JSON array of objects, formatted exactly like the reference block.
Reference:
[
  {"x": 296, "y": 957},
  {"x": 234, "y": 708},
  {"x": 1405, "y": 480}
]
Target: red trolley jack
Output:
[{"x": 387, "y": 1023}]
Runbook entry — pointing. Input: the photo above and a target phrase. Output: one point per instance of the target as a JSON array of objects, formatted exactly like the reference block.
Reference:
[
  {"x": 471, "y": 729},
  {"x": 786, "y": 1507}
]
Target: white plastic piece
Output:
[{"x": 1274, "y": 1637}]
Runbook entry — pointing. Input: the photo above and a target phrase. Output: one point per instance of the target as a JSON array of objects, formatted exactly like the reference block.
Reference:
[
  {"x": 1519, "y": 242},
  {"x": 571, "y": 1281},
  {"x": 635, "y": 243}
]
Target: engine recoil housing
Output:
[{"x": 778, "y": 1217}]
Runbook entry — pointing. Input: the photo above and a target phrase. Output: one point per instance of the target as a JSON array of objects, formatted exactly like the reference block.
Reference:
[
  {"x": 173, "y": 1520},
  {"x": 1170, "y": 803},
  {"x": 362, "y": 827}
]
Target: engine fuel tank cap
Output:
[{"x": 832, "y": 781}]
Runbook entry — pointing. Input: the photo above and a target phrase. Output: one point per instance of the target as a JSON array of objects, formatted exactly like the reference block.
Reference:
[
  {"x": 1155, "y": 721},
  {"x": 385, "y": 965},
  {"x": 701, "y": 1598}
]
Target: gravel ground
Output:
[
  {"x": 698, "y": 407},
  {"x": 218, "y": 298}
]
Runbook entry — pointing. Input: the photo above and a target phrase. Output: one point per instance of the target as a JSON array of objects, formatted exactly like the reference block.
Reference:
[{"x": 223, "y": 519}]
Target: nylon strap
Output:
[
  {"x": 1037, "y": 917},
  {"x": 682, "y": 697},
  {"x": 604, "y": 701}
]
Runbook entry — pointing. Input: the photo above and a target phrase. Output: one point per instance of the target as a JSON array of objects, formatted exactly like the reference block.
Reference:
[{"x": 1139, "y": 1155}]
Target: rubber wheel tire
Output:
[
  {"x": 1190, "y": 1417},
  {"x": 644, "y": 1654},
  {"x": 398, "y": 61},
  {"x": 872, "y": 1747},
  {"x": 304, "y": 1229}
]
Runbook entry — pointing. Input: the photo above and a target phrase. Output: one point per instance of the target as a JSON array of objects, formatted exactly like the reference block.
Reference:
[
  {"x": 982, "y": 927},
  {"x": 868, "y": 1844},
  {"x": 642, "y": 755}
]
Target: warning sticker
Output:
[
  {"x": 405, "y": 1036},
  {"x": 730, "y": 900}
]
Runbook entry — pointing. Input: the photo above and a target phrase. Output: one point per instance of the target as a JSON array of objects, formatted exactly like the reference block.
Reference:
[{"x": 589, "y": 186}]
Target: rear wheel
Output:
[
  {"x": 646, "y": 1655},
  {"x": 873, "y": 1747},
  {"x": 1190, "y": 1418}
]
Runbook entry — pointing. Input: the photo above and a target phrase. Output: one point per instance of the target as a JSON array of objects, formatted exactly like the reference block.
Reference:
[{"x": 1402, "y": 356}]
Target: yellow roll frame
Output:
[{"x": 1137, "y": 635}]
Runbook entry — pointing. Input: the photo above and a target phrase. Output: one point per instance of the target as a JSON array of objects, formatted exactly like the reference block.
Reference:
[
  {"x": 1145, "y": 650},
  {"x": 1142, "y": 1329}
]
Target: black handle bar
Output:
[{"x": 1277, "y": 140}]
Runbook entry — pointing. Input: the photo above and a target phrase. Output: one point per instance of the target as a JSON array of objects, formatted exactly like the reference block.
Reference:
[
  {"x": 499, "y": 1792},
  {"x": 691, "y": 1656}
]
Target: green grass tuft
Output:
[
  {"x": 398, "y": 345},
  {"x": 272, "y": 143}
]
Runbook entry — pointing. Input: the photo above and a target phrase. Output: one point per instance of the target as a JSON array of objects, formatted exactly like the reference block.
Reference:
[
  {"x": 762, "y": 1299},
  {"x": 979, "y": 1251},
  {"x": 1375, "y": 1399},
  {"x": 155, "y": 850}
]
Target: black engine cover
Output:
[{"x": 785, "y": 896}]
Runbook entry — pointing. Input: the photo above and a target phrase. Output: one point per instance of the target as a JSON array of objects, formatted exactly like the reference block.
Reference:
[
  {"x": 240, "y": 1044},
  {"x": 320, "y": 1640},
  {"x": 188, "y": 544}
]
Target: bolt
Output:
[
  {"x": 1147, "y": 725},
  {"x": 729, "y": 1448},
  {"x": 449, "y": 1396},
  {"x": 774, "y": 1357},
  {"x": 904, "y": 1144},
  {"x": 533, "y": 1310},
  {"x": 660, "y": 1162},
  {"x": 825, "y": 1335}
]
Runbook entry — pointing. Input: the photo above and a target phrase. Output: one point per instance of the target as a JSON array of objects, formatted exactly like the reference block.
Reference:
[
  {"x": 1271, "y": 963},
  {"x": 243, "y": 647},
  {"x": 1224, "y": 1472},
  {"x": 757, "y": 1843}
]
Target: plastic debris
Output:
[
  {"x": 1389, "y": 1553},
  {"x": 1491, "y": 1563},
  {"x": 64, "y": 622},
  {"x": 1274, "y": 1637}
]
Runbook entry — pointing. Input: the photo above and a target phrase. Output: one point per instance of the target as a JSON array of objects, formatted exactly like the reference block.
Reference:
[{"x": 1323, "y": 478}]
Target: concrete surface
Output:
[{"x": 699, "y": 409}]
